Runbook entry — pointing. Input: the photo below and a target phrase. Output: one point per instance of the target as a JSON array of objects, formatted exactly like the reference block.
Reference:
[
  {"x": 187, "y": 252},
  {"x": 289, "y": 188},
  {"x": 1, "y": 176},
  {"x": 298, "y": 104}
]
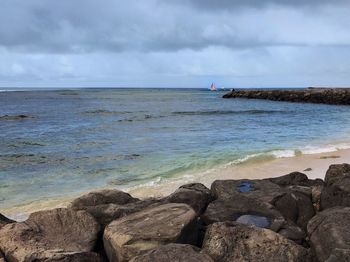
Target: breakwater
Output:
[{"x": 332, "y": 96}]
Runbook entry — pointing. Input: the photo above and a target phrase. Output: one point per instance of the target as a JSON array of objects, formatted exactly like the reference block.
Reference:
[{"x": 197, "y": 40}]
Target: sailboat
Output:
[{"x": 213, "y": 87}]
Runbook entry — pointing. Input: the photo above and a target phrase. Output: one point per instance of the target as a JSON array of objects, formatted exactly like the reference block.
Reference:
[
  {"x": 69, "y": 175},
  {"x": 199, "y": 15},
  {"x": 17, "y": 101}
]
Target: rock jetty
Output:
[
  {"x": 287, "y": 218},
  {"x": 332, "y": 96}
]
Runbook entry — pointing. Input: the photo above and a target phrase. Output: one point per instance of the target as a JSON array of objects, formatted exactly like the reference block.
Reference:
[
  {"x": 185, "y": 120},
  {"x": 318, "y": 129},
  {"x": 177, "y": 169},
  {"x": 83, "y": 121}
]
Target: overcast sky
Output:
[{"x": 174, "y": 43}]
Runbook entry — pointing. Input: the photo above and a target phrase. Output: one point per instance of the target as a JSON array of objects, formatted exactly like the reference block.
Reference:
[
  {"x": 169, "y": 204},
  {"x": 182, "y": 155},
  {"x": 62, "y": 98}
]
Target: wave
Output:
[
  {"x": 228, "y": 112},
  {"x": 285, "y": 153},
  {"x": 105, "y": 112}
]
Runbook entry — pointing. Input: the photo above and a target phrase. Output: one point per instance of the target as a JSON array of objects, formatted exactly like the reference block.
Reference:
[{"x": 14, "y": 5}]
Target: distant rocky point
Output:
[
  {"x": 15, "y": 117},
  {"x": 287, "y": 218},
  {"x": 332, "y": 96}
]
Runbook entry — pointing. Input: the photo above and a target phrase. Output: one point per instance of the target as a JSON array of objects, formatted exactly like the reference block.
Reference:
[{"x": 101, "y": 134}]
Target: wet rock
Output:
[
  {"x": 195, "y": 195},
  {"x": 236, "y": 208},
  {"x": 102, "y": 197},
  {"x": 294, "y": 178},
  {"x": 255, "y": 220},
  {"x": 329, "y": 231},
  {"x": 4, "y": 221},
  {"x": 139, "y": 232},
  {"x": 48, "y": 234},
  {"x": 173, "y": 252},
  {"x": 231, "y": 241},
  {"x": 337, "y": 187},
  {"x": 250, "y": 211},
  {"x": 293, "y": 202}
]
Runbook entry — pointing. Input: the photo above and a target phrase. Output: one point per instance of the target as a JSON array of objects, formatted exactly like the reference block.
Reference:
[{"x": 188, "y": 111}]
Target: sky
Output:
[{"x": 174, "y": 43}]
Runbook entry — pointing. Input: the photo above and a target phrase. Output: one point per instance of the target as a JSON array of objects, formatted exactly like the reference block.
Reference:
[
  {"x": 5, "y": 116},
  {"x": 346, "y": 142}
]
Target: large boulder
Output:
[
  {"x": 46, "y": 235},
  {"x": 195, "y": 195},
  {"x": 173, "y": 252},
  {"x": 294, "y": 178},
  {"x": 264, "y": 190},
  {"x": 102, "y": 197},
  {"x": 296, "y": 205},
  {"x": 109, "y": 204},
  {"x": 262, "y": 198},
  {"x": 231, "y": 241},
  {"x": 134, "y": 234},
  {"x": 329, "y": 233},
  {"x": 250, "y": 211},
  {"x": 240, "y": 208},
  {"x": 4, "y": 221},
  {"x": 106, "y": 213},
  {"x": 337, "y": 187}
]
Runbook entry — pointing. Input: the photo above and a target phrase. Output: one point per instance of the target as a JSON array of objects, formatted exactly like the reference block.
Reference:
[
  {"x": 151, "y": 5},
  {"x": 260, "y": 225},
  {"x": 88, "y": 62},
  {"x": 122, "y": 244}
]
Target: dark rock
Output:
[
  {"x": 329, "y": 231},
  {"x": 293, "y": 202},
  {"x": 231, "y": 241},
  {"x": 108, "y": 205},
  {"x": 173, "y": 252},
  {"x": 337, "y": 187},
  {"x": 72, "y": 257},
  {"x": 195, "y": 195},
  {"x": 294, "y": 178},
  {"x": 4, "y": 221},
  {"x": 232, "y": 209},
  {"x": 293, "y": 232},
  {"x": 48, "y": 234},
  {"x": 333, "y": 96},
  {"x": 102, "y": 197},
  {"x": 296, "y": 206},
  {"x": 251, "y": 211},
  {"x": 2, "y": 259},
  {"x": 339, "y": 255},
  {"x": 106, "y": 213},
  {"x": 14, "y": 118},
  {"x": 139, "y": 232},
  {"x": 264, "y": 190}
]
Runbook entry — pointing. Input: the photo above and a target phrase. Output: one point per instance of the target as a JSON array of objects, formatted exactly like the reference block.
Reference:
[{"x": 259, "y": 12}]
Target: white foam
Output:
[{"x": 324, "y": 149}]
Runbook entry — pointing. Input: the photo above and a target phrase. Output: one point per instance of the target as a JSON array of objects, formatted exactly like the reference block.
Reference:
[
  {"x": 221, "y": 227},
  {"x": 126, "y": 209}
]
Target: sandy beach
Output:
[{"x": 313, "y": 165}]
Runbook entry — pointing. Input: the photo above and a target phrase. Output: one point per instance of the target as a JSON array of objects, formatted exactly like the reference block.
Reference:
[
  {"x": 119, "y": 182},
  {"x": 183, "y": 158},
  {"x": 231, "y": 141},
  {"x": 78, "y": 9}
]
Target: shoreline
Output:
[{"x": 318, "y": 162}]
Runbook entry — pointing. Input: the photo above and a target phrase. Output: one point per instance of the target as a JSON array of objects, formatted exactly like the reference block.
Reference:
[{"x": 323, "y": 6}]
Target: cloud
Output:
[
  {"x": 114, "y": 26},
  {"x": 183, "y": 42}
]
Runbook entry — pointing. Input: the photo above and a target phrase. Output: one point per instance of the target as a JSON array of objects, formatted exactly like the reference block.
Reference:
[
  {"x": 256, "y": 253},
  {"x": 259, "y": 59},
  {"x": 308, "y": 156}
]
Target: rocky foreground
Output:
[
  {"x": 288, "y": 218},
  {"x": 332, "y": 96}
]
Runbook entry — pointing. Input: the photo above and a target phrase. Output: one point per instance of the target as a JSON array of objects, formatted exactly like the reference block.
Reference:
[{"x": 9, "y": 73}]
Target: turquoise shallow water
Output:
[{"x": 78, "y": 140}]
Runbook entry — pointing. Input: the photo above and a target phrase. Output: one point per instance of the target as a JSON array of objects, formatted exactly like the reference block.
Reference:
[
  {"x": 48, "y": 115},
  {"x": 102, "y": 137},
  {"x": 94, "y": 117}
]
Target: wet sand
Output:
[{"x": 313, "y": 165}]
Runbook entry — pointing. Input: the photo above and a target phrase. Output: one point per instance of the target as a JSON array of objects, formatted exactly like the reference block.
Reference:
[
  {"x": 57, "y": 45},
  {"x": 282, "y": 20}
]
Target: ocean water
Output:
[{"x": 84, "y": 139}]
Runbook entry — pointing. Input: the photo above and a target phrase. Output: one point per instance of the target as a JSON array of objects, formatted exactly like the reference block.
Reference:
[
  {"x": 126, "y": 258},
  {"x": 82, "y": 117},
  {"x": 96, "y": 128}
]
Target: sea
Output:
[{"x": 75, "y": 140}]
